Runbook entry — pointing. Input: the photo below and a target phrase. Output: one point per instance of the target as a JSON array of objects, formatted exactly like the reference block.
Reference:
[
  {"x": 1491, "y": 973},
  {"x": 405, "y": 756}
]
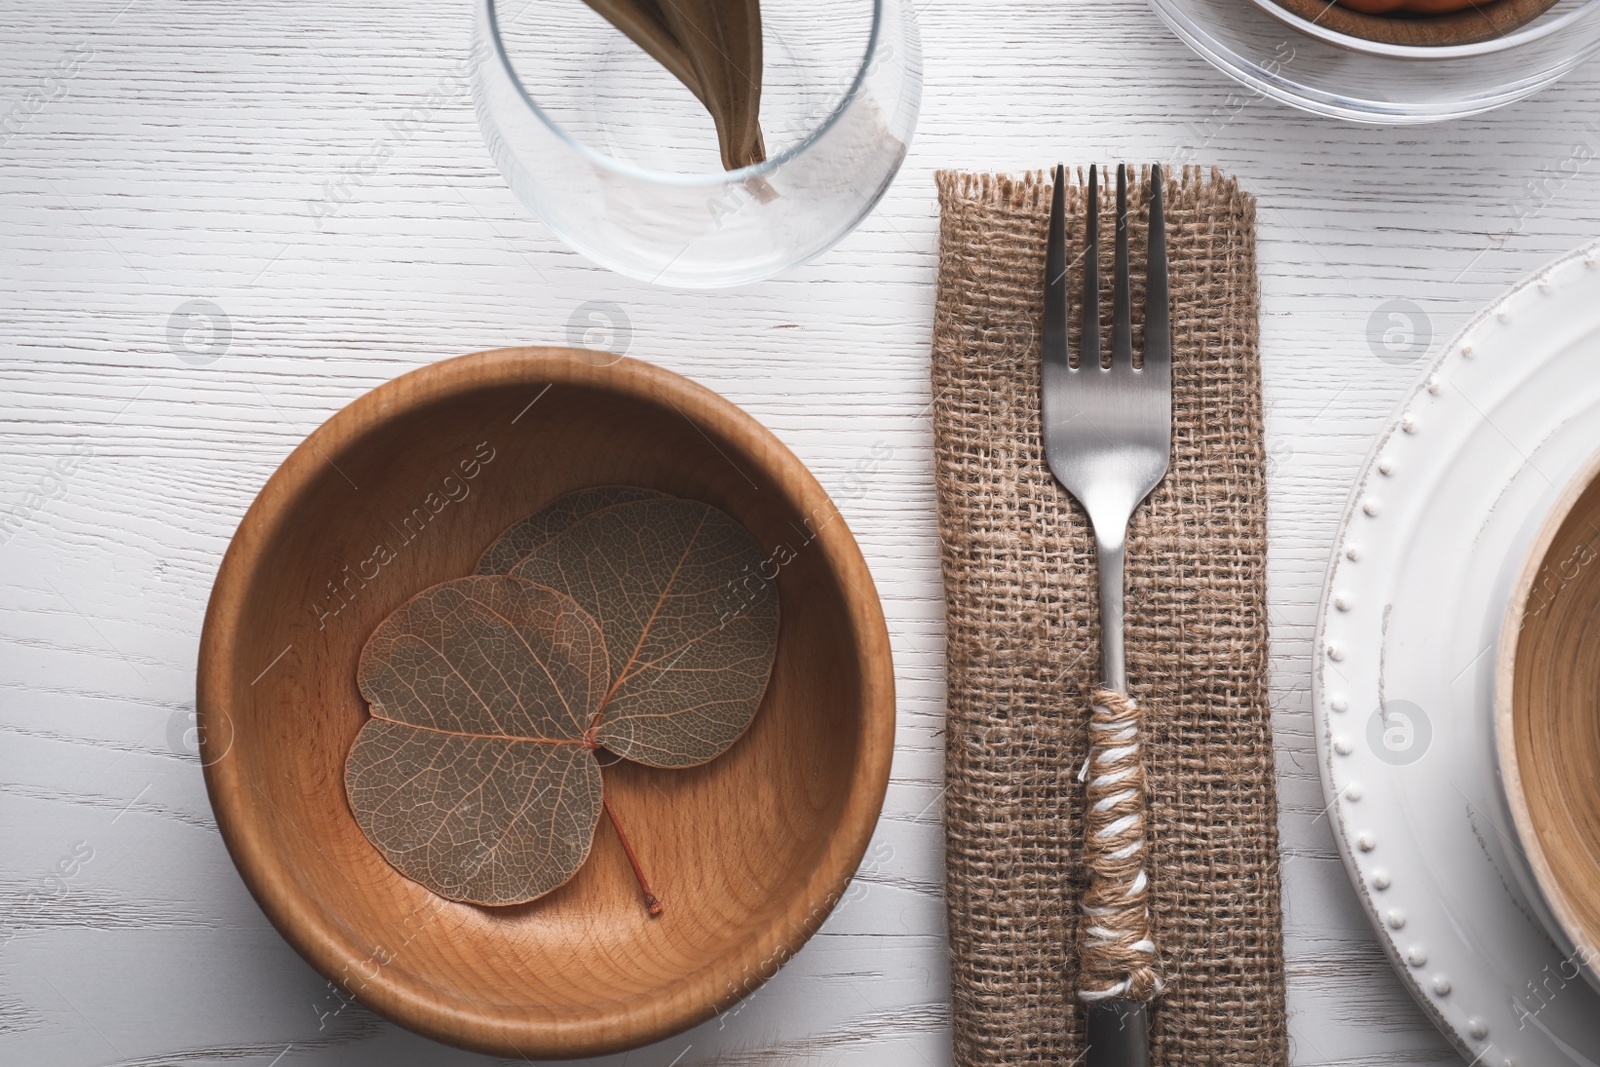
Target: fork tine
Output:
[
  {"x": 1089, "y": 351},
  {"x": 1121, "y": 292},
  {"x": 1157, "y": 309},
  {"x": 1054, "y": 340}
]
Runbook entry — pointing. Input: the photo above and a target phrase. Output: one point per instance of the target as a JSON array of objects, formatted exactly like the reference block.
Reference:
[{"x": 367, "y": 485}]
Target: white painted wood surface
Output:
[{"x": 157, "y": 152}]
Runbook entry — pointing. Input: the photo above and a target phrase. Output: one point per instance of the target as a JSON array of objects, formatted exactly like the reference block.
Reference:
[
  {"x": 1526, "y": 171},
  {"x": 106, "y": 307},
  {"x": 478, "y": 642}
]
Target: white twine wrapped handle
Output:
[{"x": 1116, "y": 953}]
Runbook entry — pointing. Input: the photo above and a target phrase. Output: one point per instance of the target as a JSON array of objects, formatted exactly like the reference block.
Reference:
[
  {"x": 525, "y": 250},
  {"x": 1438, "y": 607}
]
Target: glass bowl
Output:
[
  {"x": 622, "y": 162},
  {"x": 1293, "y": 59}
]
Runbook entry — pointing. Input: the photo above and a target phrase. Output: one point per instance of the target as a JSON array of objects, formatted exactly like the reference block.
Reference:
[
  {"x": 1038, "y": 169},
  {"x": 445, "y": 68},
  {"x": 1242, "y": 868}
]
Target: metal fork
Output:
[{"x": 1107, "y": 436}]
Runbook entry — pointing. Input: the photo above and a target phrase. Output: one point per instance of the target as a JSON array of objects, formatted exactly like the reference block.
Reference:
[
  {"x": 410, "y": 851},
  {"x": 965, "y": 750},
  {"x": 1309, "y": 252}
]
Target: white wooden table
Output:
[{"x": 155, "y": 153}]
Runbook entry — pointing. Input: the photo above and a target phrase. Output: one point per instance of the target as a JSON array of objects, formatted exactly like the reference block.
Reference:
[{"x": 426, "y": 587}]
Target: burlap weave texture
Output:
[{"x": 1023, "y": 638}]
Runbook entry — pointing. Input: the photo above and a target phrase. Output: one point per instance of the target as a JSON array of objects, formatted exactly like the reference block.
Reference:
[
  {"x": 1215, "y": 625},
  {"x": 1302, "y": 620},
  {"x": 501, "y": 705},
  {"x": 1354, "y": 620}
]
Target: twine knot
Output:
[{"x": 1116, "y": 953}]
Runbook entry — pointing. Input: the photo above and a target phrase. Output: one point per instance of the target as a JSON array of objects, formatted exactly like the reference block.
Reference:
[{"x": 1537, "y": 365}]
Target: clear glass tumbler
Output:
[{"x": 622, "y": 161}]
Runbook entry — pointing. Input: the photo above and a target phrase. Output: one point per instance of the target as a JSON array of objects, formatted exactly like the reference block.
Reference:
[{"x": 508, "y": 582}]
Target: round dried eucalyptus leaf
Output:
[
  {"x": 690, "y": 623},
  {"x": 521, "y": 538},
  {"x": 476, "y": 776}
]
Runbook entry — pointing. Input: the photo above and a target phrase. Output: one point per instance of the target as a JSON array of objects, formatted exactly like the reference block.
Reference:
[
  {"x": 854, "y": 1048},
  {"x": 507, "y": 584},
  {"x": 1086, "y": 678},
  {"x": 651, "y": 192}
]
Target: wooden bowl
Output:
[
  {"x": 405, "y": 488},
  {"x": 1547, "y": 711}
]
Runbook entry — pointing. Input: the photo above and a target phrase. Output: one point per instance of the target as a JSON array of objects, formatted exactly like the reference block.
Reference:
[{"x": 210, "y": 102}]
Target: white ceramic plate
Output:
[{"x": 1438, "y": 526}]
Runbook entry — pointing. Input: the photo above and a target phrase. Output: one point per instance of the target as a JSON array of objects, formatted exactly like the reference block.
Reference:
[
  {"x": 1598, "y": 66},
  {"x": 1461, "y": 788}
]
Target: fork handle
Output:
[
  {"x": 1119, "y": 1034},
  {"x": 1113, "y": 654},
  {"x": 1116, "y": 952}
]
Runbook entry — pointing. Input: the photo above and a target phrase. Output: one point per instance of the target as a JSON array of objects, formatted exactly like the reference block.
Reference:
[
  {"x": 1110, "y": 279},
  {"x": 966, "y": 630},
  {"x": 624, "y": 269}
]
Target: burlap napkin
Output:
[{"x": 1024, "y": 651}]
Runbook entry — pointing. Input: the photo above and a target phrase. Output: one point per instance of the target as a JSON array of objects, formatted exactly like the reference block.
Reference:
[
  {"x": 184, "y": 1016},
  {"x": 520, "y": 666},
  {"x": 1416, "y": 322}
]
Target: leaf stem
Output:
[{"x": 651, "y": 902}]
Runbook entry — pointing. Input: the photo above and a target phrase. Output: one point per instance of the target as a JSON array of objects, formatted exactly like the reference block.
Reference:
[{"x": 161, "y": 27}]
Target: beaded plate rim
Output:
[{"x": 1370, "y": 799}]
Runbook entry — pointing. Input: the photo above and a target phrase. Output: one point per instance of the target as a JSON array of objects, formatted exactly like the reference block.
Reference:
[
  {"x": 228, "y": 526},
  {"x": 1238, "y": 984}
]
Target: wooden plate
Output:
[
  {"x": 1547, "y": 721},
  {"x": 1481, "y": 22},
  {"x": 404, "y": 488}
]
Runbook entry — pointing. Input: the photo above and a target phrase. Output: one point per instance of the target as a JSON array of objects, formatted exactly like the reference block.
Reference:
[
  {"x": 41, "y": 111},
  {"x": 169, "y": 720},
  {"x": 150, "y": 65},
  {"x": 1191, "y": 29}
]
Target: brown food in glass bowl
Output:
[{"x": 1407, "y": 7}]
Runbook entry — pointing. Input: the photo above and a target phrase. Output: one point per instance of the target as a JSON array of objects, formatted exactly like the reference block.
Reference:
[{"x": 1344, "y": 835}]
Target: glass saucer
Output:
[{"x": 1292, "y": 59}]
